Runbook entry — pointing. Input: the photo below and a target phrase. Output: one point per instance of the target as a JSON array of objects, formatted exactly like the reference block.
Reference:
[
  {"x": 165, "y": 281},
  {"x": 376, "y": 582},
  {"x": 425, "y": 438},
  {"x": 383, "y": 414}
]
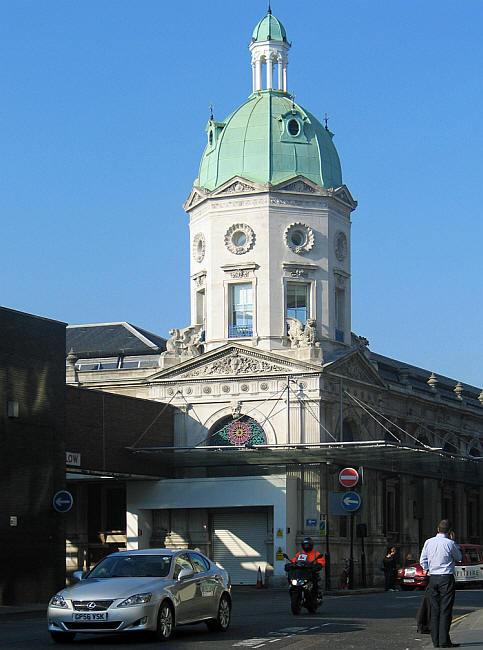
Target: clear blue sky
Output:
[{"x": 102, "y": 122}]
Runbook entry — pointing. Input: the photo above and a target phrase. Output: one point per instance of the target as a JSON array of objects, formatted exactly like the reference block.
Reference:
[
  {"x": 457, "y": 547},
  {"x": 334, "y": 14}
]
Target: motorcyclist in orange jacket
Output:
[{"x": 308, "y": 554}]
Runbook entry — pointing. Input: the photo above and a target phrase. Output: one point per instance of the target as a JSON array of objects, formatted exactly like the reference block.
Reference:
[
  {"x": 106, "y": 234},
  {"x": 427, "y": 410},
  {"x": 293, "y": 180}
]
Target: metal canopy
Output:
[{"x": 379, "y": 454}]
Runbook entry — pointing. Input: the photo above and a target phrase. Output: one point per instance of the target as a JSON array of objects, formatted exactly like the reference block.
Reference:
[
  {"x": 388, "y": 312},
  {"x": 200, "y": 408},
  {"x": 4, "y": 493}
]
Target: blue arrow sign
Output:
[
  {"x": 351, "y": 501},
  {"x": 62, "y": 501}
]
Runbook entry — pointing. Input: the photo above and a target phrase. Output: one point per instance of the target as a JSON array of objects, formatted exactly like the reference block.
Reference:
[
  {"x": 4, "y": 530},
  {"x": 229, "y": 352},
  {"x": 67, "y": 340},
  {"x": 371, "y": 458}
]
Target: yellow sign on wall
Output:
[{"x": 279, "y": 554}]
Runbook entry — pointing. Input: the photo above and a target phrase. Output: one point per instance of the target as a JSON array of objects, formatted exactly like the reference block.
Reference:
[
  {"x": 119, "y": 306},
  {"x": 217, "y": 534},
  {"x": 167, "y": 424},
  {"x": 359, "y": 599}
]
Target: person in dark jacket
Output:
[{"x": 390, "y": 569}]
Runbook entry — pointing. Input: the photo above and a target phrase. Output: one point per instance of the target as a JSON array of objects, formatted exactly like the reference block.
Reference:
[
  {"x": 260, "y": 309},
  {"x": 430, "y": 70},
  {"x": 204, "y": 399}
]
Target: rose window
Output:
[{"x": 237, "y": 431}]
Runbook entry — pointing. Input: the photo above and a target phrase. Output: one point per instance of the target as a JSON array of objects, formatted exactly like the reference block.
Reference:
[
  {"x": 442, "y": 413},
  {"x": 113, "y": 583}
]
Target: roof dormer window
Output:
[{"x": 293, "y": 127}]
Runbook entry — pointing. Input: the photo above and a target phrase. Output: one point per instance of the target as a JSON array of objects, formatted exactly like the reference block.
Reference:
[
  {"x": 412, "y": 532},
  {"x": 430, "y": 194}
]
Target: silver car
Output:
[{"x": 152, "y": 589}]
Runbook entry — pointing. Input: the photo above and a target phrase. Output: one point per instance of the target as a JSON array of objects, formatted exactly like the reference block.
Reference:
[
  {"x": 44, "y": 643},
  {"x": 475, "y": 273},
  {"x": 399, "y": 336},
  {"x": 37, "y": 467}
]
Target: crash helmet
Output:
[{"x": 307, "y": 544}]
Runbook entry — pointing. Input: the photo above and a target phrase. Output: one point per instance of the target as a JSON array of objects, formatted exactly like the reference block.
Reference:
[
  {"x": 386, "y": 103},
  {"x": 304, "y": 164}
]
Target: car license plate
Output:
[
  {"x": 89, "y": 616},
  {"x": 410, "y": 580}
]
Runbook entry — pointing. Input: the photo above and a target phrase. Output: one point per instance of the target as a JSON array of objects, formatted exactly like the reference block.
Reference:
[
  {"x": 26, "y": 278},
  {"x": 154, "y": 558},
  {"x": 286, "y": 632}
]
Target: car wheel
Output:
[
  {"x": 165, "y": 626},
  {"x": 222, "y": 621},
  {"x": 63, "y": 637}
]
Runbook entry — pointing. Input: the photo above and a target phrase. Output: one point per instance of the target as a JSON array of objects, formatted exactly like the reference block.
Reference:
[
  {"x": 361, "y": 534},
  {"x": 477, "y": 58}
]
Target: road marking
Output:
[
  {"x": 250, "y": 643},
  {"x": 459, "y": 618},
  {"x": 285, "y": 633},
  {"x": 294, "y": 630}
]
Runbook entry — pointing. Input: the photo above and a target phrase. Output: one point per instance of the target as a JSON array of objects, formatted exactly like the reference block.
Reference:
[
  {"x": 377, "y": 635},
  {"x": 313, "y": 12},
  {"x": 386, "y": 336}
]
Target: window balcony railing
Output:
[{"x": 239, "y": 331}]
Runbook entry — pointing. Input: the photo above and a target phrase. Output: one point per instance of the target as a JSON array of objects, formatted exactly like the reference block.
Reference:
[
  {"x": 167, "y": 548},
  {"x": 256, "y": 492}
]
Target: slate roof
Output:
[
  {"x": 112, "y": 339},
  {"x": 398, "y": 372}
]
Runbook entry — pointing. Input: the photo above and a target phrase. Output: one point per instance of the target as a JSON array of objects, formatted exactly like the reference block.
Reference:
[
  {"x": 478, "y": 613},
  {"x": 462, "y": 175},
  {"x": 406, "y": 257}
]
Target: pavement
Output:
[{"x": 466, "y": 629}]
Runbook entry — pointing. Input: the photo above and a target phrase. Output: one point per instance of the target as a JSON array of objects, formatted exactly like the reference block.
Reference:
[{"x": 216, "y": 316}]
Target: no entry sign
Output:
[{"x": 349, "y": 477}]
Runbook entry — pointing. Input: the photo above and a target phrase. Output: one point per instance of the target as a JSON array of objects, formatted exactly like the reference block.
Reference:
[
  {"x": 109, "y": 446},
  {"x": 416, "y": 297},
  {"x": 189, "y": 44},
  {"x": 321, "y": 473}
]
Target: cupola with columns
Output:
[{"x": 269, "y": 48}]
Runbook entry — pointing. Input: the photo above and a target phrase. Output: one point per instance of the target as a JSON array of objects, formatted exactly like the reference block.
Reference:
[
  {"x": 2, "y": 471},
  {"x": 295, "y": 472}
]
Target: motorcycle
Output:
[{"x": 303, "y": 585}]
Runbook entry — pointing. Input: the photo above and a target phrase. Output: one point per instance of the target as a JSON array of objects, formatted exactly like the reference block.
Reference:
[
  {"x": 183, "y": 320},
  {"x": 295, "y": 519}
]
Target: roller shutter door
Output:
[{"x": 239, "y": 544}]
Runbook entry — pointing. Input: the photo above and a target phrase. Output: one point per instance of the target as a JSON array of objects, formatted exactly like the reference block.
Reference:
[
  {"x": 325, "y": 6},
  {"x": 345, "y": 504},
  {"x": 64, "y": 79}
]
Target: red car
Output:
[
  {"x": 468, "y": 571},
  {"x": 412, "y": 577}
]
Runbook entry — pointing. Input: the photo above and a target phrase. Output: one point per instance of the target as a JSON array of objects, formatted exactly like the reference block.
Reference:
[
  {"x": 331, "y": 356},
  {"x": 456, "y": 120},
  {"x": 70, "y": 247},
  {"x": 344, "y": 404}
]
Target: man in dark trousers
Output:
[{"x": 438, "y": 556}]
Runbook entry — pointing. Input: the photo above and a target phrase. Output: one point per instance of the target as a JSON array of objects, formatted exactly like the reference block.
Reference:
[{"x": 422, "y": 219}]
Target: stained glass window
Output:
[{"x": 237, "y": 431}]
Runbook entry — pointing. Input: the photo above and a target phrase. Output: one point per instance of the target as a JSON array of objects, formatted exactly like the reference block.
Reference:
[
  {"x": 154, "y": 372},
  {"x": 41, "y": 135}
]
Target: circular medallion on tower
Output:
[
  {"x": 340, "y": 246},
  {"x": 239, "y": 238},
  {"x": 199, "y": 247},
  {"x": 299, "y": 237}
]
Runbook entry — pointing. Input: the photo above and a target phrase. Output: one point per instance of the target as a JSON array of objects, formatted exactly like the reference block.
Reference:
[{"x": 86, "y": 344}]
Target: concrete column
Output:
[
  {"x": 285, "y": 77},
  {"x": 280, "y": 76}
]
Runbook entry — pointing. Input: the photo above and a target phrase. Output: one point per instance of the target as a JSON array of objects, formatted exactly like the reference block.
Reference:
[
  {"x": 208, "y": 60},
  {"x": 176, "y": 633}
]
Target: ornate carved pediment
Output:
[
  {"x": 195, "y": 197},
  {"x": 233, "y": 362},
  {"x": 299, "y": 184},
  {"x": 236, "y": 186},
  {"x": 356, "y": 366},
  {"x": 342, "y": 193}
]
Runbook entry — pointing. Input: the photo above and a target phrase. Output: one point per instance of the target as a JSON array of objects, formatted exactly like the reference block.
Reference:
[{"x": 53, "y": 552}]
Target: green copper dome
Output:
[
  {"x": 269, "y": 29},
  {"x": 269, "y": 139}
]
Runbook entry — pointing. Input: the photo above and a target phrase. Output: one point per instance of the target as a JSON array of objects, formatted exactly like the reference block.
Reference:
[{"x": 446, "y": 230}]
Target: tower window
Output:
[
  {"x": 298, "y": 301},
  {"x": 293, "y": 127},
  {"x": 339, "y": 314},
  {"x": 239, "y": 238},
  {"x": 241, "y": 310},
  {"x": 200, "y": 307}
]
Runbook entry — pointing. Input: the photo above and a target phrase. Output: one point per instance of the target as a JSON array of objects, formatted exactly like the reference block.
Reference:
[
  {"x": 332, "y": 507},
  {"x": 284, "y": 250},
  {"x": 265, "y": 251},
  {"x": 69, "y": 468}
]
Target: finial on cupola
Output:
[
  {"x": 326, "y": 120},
  {"x": 211, "y": 111},
  {"x": 269, "y": 8}
]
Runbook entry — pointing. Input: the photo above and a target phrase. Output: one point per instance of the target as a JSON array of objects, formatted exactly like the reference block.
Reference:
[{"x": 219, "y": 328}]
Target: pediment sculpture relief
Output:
[
  {"x": 234, "y": 364},
  {"x": 299, "y": 186},
  {"x": 356, "y": 370},
  {"x": 301, "y": 336},
  {"x": 237, "y": 187}
]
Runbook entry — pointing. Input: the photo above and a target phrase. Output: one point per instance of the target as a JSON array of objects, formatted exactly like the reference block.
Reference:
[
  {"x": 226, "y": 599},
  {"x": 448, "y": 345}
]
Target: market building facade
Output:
[{"x": 272, "y": 392}]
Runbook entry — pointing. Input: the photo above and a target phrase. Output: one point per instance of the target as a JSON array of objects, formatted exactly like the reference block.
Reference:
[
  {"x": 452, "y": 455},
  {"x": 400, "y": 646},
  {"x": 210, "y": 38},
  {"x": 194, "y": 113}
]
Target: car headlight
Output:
[
  {"x": 137, "y": 599},
  {"x": 58, "y": 601}
]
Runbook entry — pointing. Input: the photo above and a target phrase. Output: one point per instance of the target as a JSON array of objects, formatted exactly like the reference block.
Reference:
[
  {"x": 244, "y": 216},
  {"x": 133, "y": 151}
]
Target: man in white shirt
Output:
[{"x": 438, "y": 556}]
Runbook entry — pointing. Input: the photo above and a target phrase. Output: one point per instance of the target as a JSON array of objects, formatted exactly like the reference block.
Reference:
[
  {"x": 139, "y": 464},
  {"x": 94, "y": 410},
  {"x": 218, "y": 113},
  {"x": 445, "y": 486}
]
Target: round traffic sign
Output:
[
  {"x": 351, "y": 501},
  {"x": 62, "y": 501},
  {"x": 349, "y": 477}
]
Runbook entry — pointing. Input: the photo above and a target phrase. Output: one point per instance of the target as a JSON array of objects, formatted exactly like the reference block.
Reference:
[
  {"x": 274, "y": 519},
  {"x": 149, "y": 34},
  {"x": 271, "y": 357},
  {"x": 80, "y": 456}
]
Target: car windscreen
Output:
[{"x": 132, "y": 566}]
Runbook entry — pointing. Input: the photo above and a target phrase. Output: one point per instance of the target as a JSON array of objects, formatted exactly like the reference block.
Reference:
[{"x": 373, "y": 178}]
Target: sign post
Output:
[{"x": 351, "y": 501}]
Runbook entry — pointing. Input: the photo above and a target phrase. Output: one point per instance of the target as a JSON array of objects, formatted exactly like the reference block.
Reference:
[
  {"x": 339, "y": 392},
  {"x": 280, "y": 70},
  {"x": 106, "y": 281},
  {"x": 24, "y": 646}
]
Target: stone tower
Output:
[{"x": 270, "y": 220}]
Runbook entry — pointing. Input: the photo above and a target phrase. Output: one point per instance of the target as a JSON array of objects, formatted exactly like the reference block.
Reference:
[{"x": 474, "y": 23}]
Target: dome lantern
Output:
[{"x": 269, "y": 48}]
